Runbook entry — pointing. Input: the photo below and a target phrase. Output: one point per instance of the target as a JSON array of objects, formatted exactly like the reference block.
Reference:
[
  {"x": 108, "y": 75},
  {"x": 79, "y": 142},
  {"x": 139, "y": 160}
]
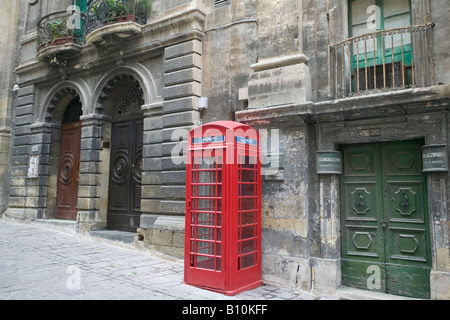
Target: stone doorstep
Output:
[
  {"x": 71, "y": 227},
  {"x": 70, "y": 224},
  {"x": 66, "y": 226},
  {"x": 114, "y": 235},
  {"x": 348, "y": 293}
]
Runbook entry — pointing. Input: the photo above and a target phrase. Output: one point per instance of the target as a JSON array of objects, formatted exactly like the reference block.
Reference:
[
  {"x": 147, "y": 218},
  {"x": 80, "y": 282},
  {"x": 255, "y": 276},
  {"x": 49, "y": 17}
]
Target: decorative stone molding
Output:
[
  {"x": 278, "y": 62},
  {"x": 121, "y": 30},
  {"x": 279, "y": 81}
]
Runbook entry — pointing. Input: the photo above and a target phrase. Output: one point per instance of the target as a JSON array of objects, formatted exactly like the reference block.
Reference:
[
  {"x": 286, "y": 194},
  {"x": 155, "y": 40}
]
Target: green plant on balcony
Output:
[
  {"x": 102, "y": 12},
  {"x": 55, "y": 32},
  {"x": 143, "y": 7},
  {"x": 118, "y": 8}
]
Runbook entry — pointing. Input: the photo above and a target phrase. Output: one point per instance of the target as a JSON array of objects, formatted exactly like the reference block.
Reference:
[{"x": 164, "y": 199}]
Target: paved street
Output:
[{"x": 40, "y": 263}]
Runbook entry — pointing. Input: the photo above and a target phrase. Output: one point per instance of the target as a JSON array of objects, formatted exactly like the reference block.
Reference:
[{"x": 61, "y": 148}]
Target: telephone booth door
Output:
[
  {"x": 246, "y": 219},
  {"x": 205, "y": 218}
]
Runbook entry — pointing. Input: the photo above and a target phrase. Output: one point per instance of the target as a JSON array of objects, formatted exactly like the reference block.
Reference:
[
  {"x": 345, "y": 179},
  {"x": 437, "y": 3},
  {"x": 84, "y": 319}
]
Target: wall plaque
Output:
[
  {"x": 33, "y": 167},
  {"x": 329, "y": 162},
  {"x": 434, "y": 158}
]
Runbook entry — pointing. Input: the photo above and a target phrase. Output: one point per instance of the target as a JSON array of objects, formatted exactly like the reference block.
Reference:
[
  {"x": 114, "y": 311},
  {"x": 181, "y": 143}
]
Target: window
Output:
[
  {"x": 385, "y": 51},
  {"x": 369, "y": 16}
]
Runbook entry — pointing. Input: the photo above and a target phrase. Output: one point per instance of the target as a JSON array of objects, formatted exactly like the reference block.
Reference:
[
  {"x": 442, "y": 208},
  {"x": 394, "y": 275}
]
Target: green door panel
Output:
[
  {"x": 363, "y": 238},
  {"x": 384, "y": 220},
  {"x": 364, "y": 275},
  {"x": 408, "y": 281}
]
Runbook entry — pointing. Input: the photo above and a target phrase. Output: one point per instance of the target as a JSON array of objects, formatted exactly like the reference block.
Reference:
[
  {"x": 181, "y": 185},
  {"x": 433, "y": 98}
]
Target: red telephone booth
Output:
[{"x": 223, "y": 208}]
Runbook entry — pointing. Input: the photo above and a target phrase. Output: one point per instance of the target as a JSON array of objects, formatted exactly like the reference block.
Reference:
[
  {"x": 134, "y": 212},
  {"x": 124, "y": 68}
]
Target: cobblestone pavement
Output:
[{"x": 40, "y": 263}]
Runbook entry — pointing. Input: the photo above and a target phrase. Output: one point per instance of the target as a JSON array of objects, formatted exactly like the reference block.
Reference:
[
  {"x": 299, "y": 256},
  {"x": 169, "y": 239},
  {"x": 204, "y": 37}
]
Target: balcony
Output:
[
  {"x": 382, "y": 61},
  {"x": 120, "y": 18},
  {"x": 59, "y": 36}
]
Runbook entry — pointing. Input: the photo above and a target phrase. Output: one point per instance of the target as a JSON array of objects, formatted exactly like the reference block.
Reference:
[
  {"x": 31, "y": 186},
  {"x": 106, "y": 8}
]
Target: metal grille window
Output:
[{"x": 219, "y": 3}]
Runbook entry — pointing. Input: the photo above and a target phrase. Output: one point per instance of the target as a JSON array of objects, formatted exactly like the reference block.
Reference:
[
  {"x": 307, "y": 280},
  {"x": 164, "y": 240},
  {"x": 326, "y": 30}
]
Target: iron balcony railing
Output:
[
  {"x": 103, "y": 12},
  {"x": 391, "y": 59},
  {"x": 59, "y": 28}
]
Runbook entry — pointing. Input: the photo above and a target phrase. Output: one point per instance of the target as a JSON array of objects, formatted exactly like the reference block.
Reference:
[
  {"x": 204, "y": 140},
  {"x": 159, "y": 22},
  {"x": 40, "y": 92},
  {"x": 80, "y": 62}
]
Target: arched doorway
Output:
[
  {"x": 124, "y": 195},
  {"x": 69, "y": 162}
]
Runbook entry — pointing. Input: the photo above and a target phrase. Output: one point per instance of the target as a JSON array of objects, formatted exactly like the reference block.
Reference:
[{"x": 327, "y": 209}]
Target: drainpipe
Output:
[{"x": 312, "y": 265}]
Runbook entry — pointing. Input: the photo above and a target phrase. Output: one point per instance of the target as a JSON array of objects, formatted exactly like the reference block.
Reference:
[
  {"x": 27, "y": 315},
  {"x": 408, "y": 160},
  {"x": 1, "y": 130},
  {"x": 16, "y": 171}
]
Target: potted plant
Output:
[
  {"x": 106, "y": 11},
  {"x": 118, "y": 8},
  {"x": 57, "y": 32},
  {"x": 137, "y": 9},
  {"x": 143, "y": 8}
]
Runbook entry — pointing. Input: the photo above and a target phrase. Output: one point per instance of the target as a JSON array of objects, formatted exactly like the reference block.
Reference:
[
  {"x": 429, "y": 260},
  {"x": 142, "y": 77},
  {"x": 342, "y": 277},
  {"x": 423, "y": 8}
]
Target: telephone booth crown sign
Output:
[{"x": 223, "y": 208}]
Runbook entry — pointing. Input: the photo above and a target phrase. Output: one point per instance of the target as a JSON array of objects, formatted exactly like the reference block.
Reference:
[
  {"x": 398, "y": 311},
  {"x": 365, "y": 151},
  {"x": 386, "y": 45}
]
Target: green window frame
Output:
[
  {"x": 390, "y": 15},
  {"x": 82, "y": 4}
]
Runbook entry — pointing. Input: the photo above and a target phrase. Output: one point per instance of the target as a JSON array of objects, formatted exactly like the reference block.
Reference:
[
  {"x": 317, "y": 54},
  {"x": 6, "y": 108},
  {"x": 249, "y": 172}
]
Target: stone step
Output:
[
  {"x": 66, "y": 225},
  {"x": 114, "y": 235}
]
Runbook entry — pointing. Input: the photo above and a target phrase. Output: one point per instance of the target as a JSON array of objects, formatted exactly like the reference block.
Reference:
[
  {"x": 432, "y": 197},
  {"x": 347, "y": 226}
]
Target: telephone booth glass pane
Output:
[
  {"x": 247, "y": 197},
  {"x": 206, "y": 210}
]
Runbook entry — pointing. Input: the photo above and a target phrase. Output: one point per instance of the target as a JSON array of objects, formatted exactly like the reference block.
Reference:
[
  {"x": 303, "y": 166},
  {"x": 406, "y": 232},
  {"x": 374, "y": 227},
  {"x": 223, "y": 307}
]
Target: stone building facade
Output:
[{"x": 351, "y": 98}]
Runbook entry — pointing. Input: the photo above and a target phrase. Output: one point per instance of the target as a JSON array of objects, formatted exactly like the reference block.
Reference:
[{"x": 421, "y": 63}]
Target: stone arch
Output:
[
  {"x": 113, "y": 89},
  {"x": 97, "y": 136},
  {"x": 138, "y": 74},
  {"x": 58, "y": 98},
  {"x": 48, "y": 130}
]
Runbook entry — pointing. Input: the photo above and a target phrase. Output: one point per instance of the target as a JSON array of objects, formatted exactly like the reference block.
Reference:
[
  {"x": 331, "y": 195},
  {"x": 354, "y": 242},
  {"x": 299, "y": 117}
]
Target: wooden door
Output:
[
  {"x": 384, "y": 220},
  {"x": 125, "y": 175},
  {"x": 68, "y": 170}
]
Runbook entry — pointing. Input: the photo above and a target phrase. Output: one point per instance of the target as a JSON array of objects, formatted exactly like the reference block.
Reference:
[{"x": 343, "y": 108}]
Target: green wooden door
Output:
[{"x": 384, "y": 220}]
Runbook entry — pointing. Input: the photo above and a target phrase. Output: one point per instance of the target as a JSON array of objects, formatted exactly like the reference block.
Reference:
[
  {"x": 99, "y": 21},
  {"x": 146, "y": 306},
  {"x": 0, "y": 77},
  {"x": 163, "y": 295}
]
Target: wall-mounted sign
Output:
[
  {"x": 329, "y": 162},
  {"x": 434, "y": 158},
  {"x": 33, "y": 167}
]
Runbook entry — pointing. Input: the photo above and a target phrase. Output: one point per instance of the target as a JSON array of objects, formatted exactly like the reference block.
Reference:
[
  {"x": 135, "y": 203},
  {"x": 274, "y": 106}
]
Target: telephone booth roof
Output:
[
  {"x": 227, "y": 129},
  {"x": 223, "y": 124}
]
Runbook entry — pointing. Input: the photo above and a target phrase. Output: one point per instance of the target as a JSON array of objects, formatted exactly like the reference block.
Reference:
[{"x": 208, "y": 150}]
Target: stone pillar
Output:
[
  {"x": 439, "y": 202},
  {"x": 151, "y": 159},
  {"x": 22, "y": 201},
  {"x": 280, "y": 87},
  {"x": 182, "y": 87},
  {"x": 5, "y": 139},
  {"x": 94, "y": 173},
  {"x": 8, "y": 47},
  {"x": 43, "y": 137},
  {"x": 166, "y": 128}
]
